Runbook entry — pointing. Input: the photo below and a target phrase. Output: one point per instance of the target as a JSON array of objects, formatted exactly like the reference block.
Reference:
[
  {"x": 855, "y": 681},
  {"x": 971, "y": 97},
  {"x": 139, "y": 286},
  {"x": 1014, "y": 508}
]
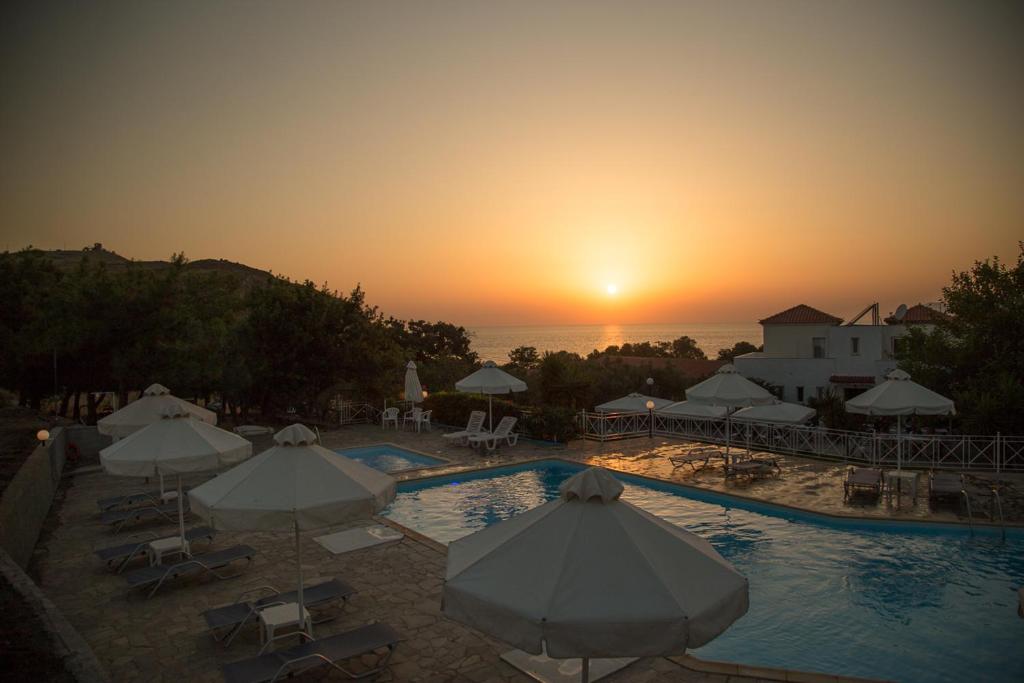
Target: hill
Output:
[{"x": 66, "y": 259}]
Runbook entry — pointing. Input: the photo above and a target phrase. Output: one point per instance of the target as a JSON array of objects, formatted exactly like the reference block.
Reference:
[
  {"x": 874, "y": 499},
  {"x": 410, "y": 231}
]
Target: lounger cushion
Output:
[
  {"x": 117, "y": 516},
  {"x": 335, "y": 648}
]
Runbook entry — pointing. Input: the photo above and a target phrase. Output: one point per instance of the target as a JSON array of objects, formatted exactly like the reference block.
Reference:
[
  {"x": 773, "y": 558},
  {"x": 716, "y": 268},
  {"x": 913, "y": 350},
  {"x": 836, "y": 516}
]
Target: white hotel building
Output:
[{"x": 807, "y": 351}]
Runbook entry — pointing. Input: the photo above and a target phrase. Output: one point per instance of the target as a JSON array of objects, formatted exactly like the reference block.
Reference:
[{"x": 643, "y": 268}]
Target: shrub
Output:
[
  {"x": 551, "y": 423},
  {"x": 453, "y": 407}
]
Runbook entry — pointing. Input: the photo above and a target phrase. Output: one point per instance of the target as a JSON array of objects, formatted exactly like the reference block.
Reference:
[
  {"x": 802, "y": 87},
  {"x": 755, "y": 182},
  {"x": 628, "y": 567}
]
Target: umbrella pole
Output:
[
  {"x": 585, "y": 671},
  {"x": 298, "y": 563},
  {"x": 181, "y": 518},
  {"x": 899, "y": 440},
  {"x": 490, "y": 414}
]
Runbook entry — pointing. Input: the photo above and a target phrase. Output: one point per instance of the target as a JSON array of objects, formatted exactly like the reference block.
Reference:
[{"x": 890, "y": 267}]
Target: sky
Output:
[{"x": 505, "y": 162}]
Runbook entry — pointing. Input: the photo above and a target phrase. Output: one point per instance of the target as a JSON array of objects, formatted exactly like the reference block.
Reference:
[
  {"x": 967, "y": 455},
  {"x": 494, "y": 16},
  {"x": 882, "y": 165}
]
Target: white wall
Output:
[{"x": 793, "y": 341}]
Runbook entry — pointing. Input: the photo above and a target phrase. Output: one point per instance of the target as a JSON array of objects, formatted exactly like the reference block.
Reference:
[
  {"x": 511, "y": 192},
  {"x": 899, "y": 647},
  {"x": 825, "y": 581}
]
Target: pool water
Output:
[
  {"x": 906, "y": 602},
  {"x": 388, "y": 458}
]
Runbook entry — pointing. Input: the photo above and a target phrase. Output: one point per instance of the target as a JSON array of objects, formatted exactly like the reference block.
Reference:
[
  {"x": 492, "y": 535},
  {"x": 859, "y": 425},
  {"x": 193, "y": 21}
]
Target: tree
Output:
[
  {"x": 524, "y": 357},
  {"x": 738, "y": 349},
  {"x": 686, "y": 347},
  {"x": 975, "y": 354}
]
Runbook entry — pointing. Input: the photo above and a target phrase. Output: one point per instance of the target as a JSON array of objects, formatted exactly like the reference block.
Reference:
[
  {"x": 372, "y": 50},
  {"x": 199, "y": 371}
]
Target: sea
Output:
[{"x": 494, "y": 342}]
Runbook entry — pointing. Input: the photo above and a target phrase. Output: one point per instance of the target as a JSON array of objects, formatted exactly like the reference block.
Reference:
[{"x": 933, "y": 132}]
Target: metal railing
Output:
[
  {"x": 968, "y": 452},
  {"x": 357, "y": 413}
]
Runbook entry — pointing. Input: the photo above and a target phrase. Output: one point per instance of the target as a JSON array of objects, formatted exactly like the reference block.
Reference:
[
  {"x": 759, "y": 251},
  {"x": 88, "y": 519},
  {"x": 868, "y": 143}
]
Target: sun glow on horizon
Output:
[{"x": 612, "y": 289}]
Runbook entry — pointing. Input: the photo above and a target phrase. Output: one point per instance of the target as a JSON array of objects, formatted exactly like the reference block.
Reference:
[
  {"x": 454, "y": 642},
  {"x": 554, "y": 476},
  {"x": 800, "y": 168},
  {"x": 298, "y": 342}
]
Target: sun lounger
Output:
[
  {"x": 331, "y": 650},
  {"x": 474, "y": 427},
  {"x": 491, "y": 440},
  {"x": 133, "y": 499},
  {"x": 701, "y": 455},
  {"x": 945, "y": 485},
  {"x": 121, "y": 555},
  {"x": 226, "y": 621},
  {"x": 862, "y": 479},
  {"x": 752, "y": 468},
  {"x": 118, "y": 518},
  {"x": 198, "y": 564}
]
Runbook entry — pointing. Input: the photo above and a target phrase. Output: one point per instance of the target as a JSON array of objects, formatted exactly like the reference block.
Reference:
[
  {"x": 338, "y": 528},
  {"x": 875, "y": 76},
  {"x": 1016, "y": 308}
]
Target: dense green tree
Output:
[
  {"x": 975, "y": 354},
  {"x": 738, "y": 349},
  {"x": 683, "y": 347},
  {"x": 523, "y": 358}
]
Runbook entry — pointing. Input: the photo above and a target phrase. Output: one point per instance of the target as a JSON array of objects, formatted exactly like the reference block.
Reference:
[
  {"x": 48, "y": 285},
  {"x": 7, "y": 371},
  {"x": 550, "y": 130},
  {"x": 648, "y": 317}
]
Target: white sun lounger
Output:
[
  {"x": 474, "y": 427},
  {"x": 491, "y": 440}
]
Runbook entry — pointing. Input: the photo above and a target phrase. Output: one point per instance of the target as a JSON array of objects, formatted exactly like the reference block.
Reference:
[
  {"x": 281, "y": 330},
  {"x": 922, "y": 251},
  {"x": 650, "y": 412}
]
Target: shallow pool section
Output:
[
  {"x": 906, "y": 602},
  {"x": 390, "y": 458}
]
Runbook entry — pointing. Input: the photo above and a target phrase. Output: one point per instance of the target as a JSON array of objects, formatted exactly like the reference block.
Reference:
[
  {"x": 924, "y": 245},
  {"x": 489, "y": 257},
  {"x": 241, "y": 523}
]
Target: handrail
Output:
[{"x": 964, "y": 452}]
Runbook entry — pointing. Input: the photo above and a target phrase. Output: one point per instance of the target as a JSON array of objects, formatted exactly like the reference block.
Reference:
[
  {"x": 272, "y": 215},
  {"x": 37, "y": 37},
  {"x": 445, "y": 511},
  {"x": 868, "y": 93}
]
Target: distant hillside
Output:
[{"x": 66, "y": 259}]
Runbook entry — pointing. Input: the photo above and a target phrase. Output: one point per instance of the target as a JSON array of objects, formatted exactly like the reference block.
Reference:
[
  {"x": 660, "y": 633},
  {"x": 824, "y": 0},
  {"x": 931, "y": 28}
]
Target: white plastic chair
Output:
[
  {"x": 414, "y": 416},
  {"x": 424, "y": 420},
  {"x": 389, "y": 415}
]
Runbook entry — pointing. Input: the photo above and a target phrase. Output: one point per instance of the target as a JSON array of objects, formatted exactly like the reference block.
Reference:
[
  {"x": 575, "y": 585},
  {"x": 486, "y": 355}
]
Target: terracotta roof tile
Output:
[
  {"x": 918, "y": 314},
  {"x": 801, "y": 315}
]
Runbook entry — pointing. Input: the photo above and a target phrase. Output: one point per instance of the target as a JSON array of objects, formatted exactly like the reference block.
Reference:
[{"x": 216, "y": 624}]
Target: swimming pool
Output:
[
  {"x": 390, "y": 458},
  {"x": 902, "y": 601}
]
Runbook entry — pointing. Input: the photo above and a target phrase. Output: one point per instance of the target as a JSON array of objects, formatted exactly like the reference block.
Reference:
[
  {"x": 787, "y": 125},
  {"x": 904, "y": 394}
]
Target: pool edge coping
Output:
[{"x": 1017, "y": 526}]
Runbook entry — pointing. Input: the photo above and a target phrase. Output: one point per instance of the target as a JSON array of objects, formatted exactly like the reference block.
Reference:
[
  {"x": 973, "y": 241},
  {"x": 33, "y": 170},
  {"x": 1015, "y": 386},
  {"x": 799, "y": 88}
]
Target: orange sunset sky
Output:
[{"x": 492, "y": 163}]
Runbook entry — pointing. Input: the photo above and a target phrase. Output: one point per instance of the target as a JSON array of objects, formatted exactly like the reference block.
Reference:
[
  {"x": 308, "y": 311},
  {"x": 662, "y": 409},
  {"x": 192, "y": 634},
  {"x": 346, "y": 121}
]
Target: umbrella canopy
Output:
[
  {"x": 149, "y": 408},
  {"x": 589, "y": 575},
  {"x": 778, "y": 412},
  {"x": 729, "y": 388},
  {"x": 295, "y": 482},
  {"x": 413, "y": 388},
  {"x": 632, "y": 403},
  {"x": 490, "y": 380},
  {"x": 691, "y": 409},
  {"x": 899, "y": 395},
  {"x": 294, "y": 485},
  {"x": 176, "y": 444}
]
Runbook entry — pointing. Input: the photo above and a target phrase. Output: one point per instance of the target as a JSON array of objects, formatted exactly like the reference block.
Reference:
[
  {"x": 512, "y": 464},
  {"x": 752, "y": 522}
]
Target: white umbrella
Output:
[
  {"x": 296, "y": 484},
  {"x": 149, "y": 408},
  {"x": 899, "y": 395},
  {"x": 778, "y": 413},
  {"x": 691, "y": 409},
  {"x": 729, "y": 388},
  {"x": 588, "y": 575},
  {"x": 490, "y": 380},
  {"x": 413, "y": 388},
  {"x": 177, "y": 444},
  {"x": 632, "y": 403}
]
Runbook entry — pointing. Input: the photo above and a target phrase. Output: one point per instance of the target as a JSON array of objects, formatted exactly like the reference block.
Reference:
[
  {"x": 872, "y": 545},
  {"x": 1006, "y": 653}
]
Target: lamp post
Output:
[
  {"x": 650, "y": 419},
  {"x": 43, "y": 436}
]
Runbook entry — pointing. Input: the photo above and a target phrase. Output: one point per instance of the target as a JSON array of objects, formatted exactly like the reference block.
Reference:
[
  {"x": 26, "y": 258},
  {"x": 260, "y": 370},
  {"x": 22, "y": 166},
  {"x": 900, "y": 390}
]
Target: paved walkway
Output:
[{"x": 163, "y": 638}]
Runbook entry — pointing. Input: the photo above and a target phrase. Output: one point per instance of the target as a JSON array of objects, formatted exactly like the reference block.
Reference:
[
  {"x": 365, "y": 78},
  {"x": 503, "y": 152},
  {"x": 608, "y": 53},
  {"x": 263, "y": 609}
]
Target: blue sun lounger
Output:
[
  {"x": 121, "y": 555},
  {"x": 228, "y": 620},
  {"x": 331, "y": 650},
  {"x": 210, "y": 562}
]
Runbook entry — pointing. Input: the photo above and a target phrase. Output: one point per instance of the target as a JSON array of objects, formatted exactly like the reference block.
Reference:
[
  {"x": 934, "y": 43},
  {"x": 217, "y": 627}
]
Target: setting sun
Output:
[{"x": 612, "y": 289}]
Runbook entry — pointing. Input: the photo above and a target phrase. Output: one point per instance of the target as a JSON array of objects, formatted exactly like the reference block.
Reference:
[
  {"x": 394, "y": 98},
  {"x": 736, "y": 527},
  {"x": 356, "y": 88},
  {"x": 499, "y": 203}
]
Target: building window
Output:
[
  {"x": 854, "y": 346},
  {"x": 800, "y": 394},
  {"x": 819, "y": 346},
  {"x": 820, "y": 391}
]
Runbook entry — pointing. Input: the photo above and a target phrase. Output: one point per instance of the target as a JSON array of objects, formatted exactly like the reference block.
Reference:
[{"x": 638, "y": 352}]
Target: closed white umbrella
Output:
[
  {"x": 149, "y": 408},
  {"x": 588, "y": 575},
  {"x": 176, "y": 444},
  {"x": 691, "y": 409},
  {"x": 413, "y": 388},
  {"x": 777, "y": 413},
  {"x": 899, "y": 395},
  {"x": 632, "y": 403},
  {"x": 490, "y": 380},
  {"x": 295, "y": 485}
]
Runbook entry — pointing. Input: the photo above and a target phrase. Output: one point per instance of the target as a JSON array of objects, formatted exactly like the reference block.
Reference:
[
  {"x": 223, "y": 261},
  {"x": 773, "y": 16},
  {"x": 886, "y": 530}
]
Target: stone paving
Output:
[{"x": 164, "y": 639}]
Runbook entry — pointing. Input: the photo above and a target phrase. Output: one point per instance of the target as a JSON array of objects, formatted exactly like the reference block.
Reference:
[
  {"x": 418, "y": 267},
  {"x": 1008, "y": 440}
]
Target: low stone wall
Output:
[
  {"x": 26, "y": 500},
  {"x": 68, "y": 644}
]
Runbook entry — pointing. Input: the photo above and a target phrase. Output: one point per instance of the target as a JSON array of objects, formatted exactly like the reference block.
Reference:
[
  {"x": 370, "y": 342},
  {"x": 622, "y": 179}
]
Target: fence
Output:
[
  {"x": 993, "y": 453},
  {"x": 357, "y": 413}
]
